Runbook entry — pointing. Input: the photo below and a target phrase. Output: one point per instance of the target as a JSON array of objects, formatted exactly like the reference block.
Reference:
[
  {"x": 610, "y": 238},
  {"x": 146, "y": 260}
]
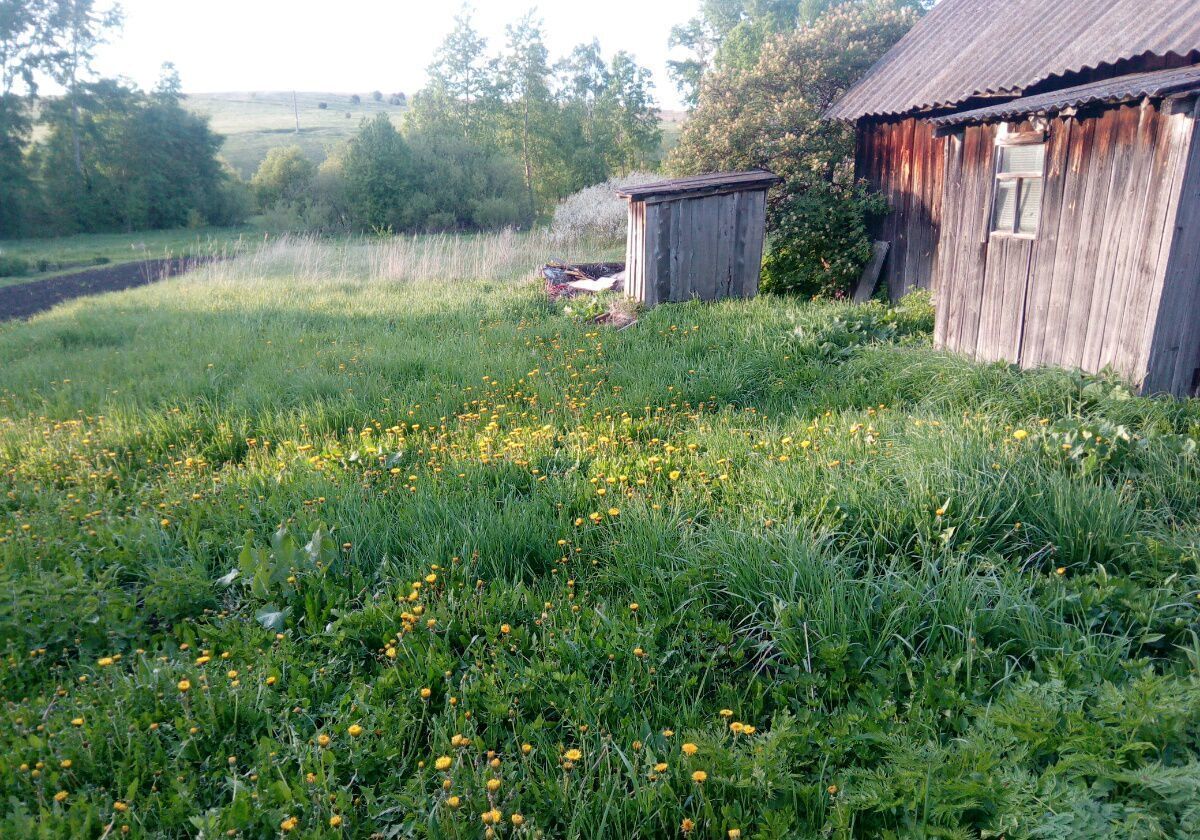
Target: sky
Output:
[{"x": 357, "y": 46}]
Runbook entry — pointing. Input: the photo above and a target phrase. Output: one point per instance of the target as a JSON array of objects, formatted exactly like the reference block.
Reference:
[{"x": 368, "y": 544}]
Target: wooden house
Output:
[
  {"x": 1042, "y": 163},
  {"x": 699, "y": 237}
]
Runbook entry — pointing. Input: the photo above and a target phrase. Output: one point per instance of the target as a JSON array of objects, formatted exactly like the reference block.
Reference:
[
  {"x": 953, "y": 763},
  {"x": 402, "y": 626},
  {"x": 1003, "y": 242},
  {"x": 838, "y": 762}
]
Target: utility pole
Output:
[{"x": 296, "y": 108}]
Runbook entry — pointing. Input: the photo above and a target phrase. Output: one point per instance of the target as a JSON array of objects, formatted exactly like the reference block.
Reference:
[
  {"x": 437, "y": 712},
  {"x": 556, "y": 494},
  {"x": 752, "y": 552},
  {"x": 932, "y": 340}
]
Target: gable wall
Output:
[
  {"x": 903, "y": 160},
  {"x": 1087, "y": 291}
]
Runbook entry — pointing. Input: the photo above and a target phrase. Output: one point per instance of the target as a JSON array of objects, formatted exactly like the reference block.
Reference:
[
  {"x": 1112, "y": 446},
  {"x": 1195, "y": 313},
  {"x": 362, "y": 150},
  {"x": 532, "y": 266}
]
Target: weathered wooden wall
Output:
[
  {"x": 706, "y": 247},
  {"x": 904, "y": 161},
  {"x": 1087, "y": 291},
  {"x": 1174, "y": 355}
]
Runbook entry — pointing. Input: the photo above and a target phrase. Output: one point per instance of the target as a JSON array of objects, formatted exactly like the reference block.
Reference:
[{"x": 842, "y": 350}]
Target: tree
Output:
[
  {"x": 628, "y": 107},
  {"x": 528, "y": 109},
  {"x": 286, "y": 177},
  {"x": 145, "y": 160},
  {"x": 379, "y": 178},
  {"x": 79, "y": 27},
  {"x": 729, "y": 34},
  {"x": 461, "y": 95},
  {"x": 25, "y": 43},
  {"x": 770, "y": 116},
  {"x": 377, "y": 95}
]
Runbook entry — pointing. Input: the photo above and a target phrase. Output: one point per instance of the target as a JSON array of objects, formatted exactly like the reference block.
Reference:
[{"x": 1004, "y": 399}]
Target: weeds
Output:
[{"x": 359, "y": 538}]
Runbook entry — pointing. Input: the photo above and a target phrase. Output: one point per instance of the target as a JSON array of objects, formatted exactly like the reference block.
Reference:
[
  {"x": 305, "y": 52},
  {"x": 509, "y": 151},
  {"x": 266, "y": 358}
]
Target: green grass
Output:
[
  {"x": 38, "y": 259},
  {"x": 951, "y": 600}
]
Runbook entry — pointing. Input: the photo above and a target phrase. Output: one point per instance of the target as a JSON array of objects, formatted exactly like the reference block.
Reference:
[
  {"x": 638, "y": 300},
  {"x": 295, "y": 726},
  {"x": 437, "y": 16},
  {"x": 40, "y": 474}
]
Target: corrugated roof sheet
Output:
[
  {"x": 968, "y": 48},
  {"x": 753, "y": 179},
  {"x": 1121, "y": 89}
]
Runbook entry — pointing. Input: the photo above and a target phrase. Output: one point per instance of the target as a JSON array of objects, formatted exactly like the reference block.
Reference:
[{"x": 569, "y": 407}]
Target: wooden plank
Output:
[
  {"x": 945, "y": 283},
  {"x": 669, "y": 283},
  {"x": 1169, "y": 170},
  {"x": 727, "y": 242},
  {"x": 870, "y": 275},
  {"x": 756, "y": 217},
  {"x": 1119, "y": 199},
  {"x": 1173, "y": 343},
  {"x": 1070, "y": 235},
  {"x": 1132, "y": 235},
  {"x": 1045, "y": 251}
]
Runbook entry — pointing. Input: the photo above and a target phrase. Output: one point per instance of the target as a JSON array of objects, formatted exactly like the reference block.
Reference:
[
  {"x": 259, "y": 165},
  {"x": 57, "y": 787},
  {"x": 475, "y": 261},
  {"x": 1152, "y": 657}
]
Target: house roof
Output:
[
  {"x": 964, "y": 49},
  {"x": 753, "y": 179},
  {"x": 1121, "y": 89}
]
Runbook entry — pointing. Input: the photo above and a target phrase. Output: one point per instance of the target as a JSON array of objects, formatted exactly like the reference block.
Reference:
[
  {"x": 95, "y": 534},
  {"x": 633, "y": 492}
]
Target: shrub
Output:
[
  {"x": 13, "y": 266},
  {"x": 397, "y": 99},
  {"x": 285, "y": 175},
  {"x": 377, "y": 95},
  {"x": 355, "y": 99},
  {"x": 596, "y": 211},
  {"x": 819, "y": 241},
  {"x": 322, "y": 105}
]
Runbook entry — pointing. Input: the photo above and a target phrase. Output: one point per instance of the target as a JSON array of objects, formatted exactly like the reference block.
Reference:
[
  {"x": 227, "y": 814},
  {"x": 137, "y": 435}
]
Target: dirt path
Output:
[{"x": 27, "y": 299}]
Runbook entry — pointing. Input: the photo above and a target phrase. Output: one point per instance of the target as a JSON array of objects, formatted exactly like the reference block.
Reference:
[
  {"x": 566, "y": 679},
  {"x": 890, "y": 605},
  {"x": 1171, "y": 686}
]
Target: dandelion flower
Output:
[
  {"x": 77, "y": 721},
  {"x": 687, "y": 825},
  {"x": 573, "y": 755},
  {"x": 734, "y": 833},
  {"x": 493, "y": 785},
  {"x": 1020, "y": 434},
  {"x": 517, "y": 820},
  {"x": 699, "y": 777},
  {"x": 355, "y": 730},
  {"x": 443, "y": 762},
  {"x": 184, "y": 685},
  {"x": 726, "y": 713},
  {"x": 335, "y": 820},
  {"x": 61, "y": 796},
  {"x": 289, "y": 824},
  {"x": 689, "y": 748},
  {"x": 453, "y": 801},
  {"x": 661, "y": 767}
]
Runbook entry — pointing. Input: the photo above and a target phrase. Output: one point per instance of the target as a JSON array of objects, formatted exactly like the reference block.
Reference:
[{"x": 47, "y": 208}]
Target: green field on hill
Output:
[
  {"x": 255, "y": 122},
  {"x": 368, "y": 538}
]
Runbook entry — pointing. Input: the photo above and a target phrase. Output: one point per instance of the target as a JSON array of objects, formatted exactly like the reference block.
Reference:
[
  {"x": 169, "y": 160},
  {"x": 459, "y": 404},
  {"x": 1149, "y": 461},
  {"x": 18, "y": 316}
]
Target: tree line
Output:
[{"x": 493, "y": 140}]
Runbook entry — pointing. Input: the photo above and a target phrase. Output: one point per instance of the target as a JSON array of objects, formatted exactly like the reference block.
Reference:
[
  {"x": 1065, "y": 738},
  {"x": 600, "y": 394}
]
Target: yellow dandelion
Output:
[
  {"x": 699, "y": 777},
  {"x": 443, "y": 762},
  {"x": 689, "y": 749},
  {"x": 184, "y": 685},
  {"x": 355, "y": 730}
]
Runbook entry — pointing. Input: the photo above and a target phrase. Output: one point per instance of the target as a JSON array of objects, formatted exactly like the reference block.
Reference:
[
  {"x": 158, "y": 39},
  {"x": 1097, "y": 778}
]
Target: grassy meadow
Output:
[{"x": 369, "y": 539}]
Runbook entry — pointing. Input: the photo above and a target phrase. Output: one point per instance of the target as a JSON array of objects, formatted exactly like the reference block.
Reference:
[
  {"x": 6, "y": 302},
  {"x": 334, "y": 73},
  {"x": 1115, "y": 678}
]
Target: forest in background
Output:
[{"x": 497, "y": 138}]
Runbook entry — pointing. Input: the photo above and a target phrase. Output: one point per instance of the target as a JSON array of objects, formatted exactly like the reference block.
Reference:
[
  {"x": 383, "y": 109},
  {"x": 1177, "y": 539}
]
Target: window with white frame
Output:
[{"x": 1018, "y": 198}]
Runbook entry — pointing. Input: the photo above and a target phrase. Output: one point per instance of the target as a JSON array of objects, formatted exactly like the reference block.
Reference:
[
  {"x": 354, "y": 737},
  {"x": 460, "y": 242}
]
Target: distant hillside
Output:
[{"x": 255, "y": 121}]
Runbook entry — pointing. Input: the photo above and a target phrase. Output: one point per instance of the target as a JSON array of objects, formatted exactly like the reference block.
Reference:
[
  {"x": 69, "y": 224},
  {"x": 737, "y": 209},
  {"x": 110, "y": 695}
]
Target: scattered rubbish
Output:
[{"x": 567, "y": 280}]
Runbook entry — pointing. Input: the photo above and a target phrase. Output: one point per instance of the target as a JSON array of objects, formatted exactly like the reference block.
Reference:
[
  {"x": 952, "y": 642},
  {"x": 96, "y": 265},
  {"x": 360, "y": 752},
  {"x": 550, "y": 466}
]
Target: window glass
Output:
[
  {"x": 1018, "y": 201},
  {"x": 1030, "y": 205},
  {"x": 1028, "y": 158},
  {"x": 1006, "y": 205}
]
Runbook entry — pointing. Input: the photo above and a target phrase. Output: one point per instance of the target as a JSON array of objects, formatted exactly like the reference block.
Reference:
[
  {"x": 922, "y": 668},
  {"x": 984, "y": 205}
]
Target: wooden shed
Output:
[
  {"x": 1042, "y": 163},
  {"x": 699, "y": 237}
]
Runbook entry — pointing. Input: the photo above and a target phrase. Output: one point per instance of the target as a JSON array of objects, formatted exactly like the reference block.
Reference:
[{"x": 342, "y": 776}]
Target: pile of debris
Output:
[{"x": 567, "y": 280}]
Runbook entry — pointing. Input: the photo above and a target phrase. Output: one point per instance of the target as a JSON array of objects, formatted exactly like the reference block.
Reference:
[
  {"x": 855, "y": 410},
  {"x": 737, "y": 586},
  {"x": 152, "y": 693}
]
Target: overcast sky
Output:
[{"x": 356, "y": 46}]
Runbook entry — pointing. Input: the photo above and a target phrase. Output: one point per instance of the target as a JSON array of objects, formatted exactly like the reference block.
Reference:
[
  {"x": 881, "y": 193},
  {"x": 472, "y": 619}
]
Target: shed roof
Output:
[
  {"x": 718, "y": 182},
  {"x": 1121, "y": 89},
  {"x": 973, "y": 48}
]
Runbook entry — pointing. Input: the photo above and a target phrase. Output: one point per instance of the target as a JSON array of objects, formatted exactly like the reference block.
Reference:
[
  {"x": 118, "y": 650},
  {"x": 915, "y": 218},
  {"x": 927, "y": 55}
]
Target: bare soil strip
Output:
[{"x": 26, "y": 299}]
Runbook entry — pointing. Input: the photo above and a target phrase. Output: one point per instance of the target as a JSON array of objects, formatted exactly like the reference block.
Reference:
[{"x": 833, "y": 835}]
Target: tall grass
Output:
[{"x": 793, "y": 516}]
